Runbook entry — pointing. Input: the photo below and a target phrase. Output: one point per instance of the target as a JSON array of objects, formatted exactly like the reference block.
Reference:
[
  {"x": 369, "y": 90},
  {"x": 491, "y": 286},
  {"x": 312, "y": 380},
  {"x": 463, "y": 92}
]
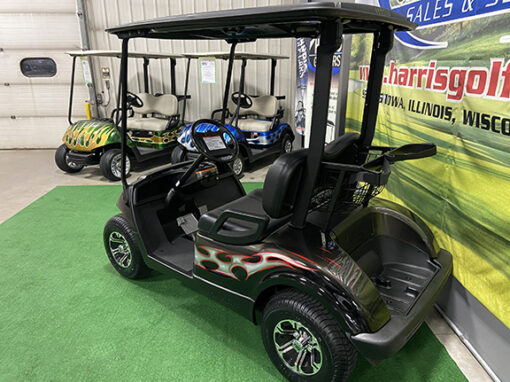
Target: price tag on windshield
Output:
[{"x": 214, "y": 143}]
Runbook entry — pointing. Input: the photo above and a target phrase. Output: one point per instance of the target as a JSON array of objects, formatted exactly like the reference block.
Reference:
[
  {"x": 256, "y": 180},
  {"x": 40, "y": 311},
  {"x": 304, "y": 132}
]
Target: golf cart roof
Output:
[
  {"x": 248, "y": 24},
  {"x": 118, "y": 53},
  {"x": 238, "y": 56}
]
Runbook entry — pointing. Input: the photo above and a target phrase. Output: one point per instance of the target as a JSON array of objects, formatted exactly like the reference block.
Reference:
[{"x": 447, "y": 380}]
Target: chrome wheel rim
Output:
[
  {"x": 72, "y": 164},
  {"x": 116, "y": 165},
  {"x": 297, "y": 347},
  {"x": 237, "y": 166},
  {"x": 287, "y": 146},
  {"x": 120, "y": 250}
]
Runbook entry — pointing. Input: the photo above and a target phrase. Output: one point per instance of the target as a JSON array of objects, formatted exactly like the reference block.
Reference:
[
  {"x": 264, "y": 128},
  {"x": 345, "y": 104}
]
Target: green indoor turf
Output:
[{"x": 66, "y": 315}]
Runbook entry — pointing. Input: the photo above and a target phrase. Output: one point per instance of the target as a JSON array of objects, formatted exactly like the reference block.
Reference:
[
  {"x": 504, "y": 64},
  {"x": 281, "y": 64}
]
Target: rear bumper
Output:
[
  {"x": 82, "y": 158},
  {"x": 398, "y": 330}
]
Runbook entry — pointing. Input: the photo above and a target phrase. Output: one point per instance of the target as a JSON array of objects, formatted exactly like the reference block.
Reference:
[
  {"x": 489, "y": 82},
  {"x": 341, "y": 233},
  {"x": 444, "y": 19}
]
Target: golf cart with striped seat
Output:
[
  {"x": 153, "y": 124},
  {"x": 254, "y": 120},
  {"x": 327, "y": 269}
]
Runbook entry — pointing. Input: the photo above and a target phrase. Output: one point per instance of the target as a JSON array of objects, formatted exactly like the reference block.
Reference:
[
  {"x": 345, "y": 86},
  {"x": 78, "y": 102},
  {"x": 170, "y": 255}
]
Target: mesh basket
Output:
[{"x": 347, "y": 187}]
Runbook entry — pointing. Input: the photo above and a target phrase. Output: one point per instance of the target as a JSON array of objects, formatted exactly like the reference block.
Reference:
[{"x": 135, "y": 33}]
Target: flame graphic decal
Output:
[{"x": 251, "y": 264}]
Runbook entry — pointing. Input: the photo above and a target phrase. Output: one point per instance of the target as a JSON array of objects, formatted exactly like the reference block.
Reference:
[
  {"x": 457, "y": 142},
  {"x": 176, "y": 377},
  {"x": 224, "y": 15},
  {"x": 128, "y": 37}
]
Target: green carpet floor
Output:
[{"x": 66, "y": 315}]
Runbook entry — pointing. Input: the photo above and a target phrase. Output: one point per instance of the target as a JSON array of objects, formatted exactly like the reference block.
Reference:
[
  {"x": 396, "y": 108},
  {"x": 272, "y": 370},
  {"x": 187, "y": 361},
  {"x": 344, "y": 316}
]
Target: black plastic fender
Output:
[{"x": 335, "y": 300}]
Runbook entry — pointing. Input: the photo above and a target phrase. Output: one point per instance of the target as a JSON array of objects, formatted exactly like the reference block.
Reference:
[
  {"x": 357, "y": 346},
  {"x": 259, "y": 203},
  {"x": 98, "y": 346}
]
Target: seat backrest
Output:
[
  {"x": 264, "y": 106},
  {"x": 282, "y": 182},
  {"x": 342, "y": 149},
  {"x": 165, "y": 104}
]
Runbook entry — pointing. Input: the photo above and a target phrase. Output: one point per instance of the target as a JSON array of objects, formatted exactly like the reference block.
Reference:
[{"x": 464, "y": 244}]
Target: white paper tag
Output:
[
  {"x": 214, "y": 143},
  {"x": 87, "y": 76},
  {"x": 207, "y": 70}
]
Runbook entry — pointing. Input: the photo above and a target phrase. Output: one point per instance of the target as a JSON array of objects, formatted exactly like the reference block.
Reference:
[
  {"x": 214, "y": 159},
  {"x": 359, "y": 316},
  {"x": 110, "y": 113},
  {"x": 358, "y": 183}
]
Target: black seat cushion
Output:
[
  {"x": 236, "y": 230},
  {"x": 343, "y": 149}
]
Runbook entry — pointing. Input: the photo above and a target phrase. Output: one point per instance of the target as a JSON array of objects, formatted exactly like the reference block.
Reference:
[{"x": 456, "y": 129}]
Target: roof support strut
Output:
[
  {"x": 71, "y": 92},
  {"x": 227, "y": 82},
  {"x": 184, "y": 102},
  {"x": 329, "y": 42},
  {"x": 124, "y": 81},
  {"x": 383, "y": 42},
  {"x": 273, "y": 68}
]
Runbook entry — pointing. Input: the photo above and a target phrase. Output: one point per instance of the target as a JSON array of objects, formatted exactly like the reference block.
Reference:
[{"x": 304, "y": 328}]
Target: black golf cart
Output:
[
  {"x": 256, "y": 121},
  {"x": 153, "y": 126},
  {"x": 327, "y": 271}
]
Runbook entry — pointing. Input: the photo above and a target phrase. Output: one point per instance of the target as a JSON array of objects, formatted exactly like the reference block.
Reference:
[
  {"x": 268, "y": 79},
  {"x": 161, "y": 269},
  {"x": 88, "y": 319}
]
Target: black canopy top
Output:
[{"x": 248, "y": 24}]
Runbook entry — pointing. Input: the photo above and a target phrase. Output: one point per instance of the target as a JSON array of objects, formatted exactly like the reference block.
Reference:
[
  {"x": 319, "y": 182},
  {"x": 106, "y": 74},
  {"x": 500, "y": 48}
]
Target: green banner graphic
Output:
[{"x": 456, "y": 95}]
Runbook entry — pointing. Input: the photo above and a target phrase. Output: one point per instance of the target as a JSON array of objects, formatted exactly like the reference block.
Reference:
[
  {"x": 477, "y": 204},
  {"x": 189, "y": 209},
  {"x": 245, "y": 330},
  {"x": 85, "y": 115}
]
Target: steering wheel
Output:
[
  {"x": 214, "y": 141},
  {"x": 243, "y": 100},
  {"x": 134, "y": 100}
]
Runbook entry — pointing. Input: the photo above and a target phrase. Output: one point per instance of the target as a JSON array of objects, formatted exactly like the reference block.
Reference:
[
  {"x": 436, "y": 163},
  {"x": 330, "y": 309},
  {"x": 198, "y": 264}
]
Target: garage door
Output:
[{"x": 35, "y": 71}]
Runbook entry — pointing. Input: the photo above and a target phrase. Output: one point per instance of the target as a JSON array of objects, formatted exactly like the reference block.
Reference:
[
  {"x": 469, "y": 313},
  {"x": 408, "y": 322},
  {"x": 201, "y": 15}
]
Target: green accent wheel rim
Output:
[
  {"x": 297, "y": 347},
  {"x": 119, "y": 248}
]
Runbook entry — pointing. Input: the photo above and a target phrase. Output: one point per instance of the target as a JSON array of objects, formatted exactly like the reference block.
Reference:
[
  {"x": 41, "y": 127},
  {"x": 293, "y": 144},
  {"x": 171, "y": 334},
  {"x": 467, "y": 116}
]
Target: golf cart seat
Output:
[
  {"x": 263, "y": 106},
  {"x": 166, "y": 105},
  {"x": 249, "y": 219}
]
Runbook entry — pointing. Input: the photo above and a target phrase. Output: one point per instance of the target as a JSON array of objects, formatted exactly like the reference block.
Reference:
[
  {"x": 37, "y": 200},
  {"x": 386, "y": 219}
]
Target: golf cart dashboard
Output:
[{"x": 155, "y": 186}]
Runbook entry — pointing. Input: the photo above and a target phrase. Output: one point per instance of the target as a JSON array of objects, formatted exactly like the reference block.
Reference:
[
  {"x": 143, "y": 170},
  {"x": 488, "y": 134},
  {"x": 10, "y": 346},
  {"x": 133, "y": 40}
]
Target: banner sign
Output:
[
  {"x": 448, "y": 83},
  {"x": 306, "y": 57},
  {"x": 433, "y": 13}
]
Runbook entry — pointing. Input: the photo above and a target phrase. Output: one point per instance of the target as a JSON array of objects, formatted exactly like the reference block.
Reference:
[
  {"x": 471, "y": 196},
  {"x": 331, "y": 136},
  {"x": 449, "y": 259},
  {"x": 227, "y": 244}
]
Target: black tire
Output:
[
  {"x": 63, "y": 162},
  {"x": 178, "y": 154},
  {"x": 286, "y": 143},
  {"x": 109, "y": 164},
  {"x": 238, "y": 165},
  {"x": 327, "y": 341},
  {"x": 119, "y": 234}
]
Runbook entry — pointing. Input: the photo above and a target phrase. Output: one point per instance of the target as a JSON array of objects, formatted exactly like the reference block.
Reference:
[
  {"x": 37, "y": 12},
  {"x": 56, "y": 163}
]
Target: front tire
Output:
[
  {"x": 62, "y": 160},
  {"x": 111, "y": 164},
  {"x": 120, "y": 242},
  {"x": 238, "y": 165},
  {"x": 304, "y": 341},
  {"x": 286, "y": 143},
  {"x": 178, "y": 154}
]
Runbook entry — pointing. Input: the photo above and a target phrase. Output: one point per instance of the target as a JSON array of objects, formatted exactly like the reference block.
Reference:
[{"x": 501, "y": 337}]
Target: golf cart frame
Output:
[
  {"x": 86, "y": 142},
  {"x": 310, "y": 249},
  {"x": 255, "y": 143}
]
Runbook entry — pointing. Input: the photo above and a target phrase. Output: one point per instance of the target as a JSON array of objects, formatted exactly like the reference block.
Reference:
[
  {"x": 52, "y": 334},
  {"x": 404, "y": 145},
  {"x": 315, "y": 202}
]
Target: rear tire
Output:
[
  {"x": 120, "y": 242},
  {"x": 178, "y": 154},
  {"x": 304, "y": 341},
  {"x": 110, "y": 164},
  {"x": 63, "y": 162}
]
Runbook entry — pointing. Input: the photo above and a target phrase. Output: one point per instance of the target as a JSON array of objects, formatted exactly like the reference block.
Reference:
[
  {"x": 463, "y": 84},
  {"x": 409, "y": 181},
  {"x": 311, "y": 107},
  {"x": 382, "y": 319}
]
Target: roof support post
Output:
[
  {"x": 146, "y": 75},
  {"x": 273, "y": 68},
  {"x": 383, "y": 42},
  {"x": 329, "y": 42},
  {"x": 172, "y": 76},
  {"x": 227, "y": 82},
  {"x": 185, "y": 101},
  {"x": 123, "y": 84},
  {"x": 71, "y": 92}
]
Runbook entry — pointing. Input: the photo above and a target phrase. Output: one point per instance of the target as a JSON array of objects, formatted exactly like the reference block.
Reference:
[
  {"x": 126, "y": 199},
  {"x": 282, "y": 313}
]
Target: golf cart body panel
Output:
[
  {"x": 315, "y": 227},
  {"x": 87, "y": 136}
]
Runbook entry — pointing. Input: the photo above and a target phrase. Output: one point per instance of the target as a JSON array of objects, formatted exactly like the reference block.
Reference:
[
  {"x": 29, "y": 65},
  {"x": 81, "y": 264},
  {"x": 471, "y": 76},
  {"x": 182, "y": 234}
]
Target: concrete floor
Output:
[{"x": 29, "y": 174}]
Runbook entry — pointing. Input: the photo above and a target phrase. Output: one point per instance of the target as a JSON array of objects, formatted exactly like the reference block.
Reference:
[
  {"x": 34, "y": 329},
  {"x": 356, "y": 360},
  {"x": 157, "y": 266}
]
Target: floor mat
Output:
[{"x": 66, "y": 314}]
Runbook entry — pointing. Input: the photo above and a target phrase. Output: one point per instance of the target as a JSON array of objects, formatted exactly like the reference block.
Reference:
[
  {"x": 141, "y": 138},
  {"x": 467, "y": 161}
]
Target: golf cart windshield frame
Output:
[
  {"x": 326, "y": 21},
  {"x": 146, "y": 56}
]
